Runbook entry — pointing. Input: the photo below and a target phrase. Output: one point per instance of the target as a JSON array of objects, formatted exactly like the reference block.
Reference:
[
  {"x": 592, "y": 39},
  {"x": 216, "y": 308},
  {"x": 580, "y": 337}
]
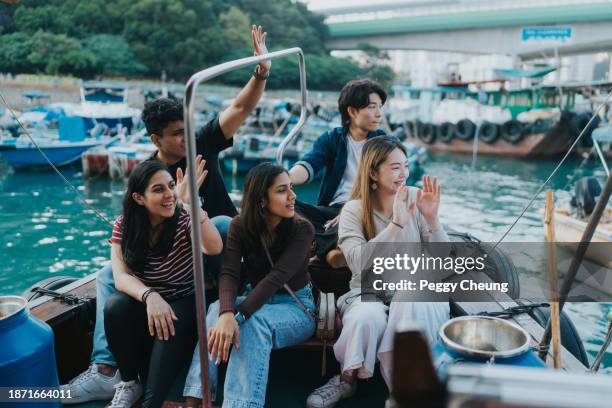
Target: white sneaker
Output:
[
  {"x": 127, "y": 393},
  {"x": 90, "y": 385},
  {"x": 328, "y": 395}
]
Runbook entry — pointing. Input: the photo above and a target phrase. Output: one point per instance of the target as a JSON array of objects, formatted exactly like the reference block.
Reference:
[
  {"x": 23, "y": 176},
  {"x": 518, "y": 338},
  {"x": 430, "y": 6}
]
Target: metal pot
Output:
[{"x": 484, "y": 337}]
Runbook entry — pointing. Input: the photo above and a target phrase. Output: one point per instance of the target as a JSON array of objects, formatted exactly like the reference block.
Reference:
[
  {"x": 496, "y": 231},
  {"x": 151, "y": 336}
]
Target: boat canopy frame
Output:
[{"x": 190, "y": 144}]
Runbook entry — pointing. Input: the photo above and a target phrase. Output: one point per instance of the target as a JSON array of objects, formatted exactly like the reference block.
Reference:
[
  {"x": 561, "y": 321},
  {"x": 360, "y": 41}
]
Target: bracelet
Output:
[
  {"x": 259, "y": 76},
  {"x": 399, "y": 225},
  {"x": 146, "y": 294}
]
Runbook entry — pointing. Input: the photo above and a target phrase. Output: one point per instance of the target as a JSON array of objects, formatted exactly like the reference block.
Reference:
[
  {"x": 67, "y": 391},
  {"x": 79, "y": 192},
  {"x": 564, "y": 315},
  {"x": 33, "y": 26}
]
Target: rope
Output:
[
  {"x": 80, "y": 197},
  {"x": 554, "y": 171}
]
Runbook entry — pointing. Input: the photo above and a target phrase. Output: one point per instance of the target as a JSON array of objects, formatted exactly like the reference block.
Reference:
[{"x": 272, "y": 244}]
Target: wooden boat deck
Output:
[{"x": 73, "y": 329}]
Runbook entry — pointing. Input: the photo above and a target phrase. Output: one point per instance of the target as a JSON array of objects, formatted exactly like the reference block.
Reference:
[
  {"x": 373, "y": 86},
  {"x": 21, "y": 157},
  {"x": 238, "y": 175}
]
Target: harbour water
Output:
[{"x": 45, "y": 231}]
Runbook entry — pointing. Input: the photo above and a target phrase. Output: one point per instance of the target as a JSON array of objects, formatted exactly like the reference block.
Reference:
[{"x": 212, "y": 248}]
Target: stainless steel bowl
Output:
[
  {"x": 9, "y": 305},
  {"x": 484, "y": 337}
]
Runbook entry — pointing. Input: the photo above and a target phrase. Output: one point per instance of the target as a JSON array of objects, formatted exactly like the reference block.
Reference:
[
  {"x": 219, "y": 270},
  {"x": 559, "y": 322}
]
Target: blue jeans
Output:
[
  {"x": 279, "y": 323},
  {"x": 105, "y": 287}
]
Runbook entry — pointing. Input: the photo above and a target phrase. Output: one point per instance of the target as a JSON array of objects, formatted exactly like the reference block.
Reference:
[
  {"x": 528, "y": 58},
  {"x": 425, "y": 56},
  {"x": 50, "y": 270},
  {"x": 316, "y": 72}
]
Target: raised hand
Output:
[
  {"x": 402, "y": 206},
  {"x": 258, "y": 36},
  {"x": 182, "y": 181},
  {"x": 428, "y": 200}
]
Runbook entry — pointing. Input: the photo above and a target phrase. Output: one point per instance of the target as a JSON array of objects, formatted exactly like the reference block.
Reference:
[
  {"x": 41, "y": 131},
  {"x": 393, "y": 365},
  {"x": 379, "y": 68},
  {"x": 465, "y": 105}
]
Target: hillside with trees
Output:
[{"x": 143, "y": 38}]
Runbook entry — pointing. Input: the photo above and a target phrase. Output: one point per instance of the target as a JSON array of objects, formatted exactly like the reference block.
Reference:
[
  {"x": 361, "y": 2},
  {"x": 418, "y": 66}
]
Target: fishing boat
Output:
[
  {"x": 489, "y": 117},
  {"x": 68, "y": 306},
  {"x": 570, "y": 222},
  {"x": 61, "y": 147},
  {"x": 106, "y": 103},
  {"x": 117, "y": 159}
]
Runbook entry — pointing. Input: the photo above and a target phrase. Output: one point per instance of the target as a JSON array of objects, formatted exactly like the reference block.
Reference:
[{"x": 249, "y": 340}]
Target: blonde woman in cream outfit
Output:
[{"x": 382, "y": 209}]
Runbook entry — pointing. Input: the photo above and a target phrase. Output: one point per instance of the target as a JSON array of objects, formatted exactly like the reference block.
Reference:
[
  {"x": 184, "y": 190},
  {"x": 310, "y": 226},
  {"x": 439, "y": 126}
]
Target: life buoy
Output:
[
  {"x": 512, "y": 131},
  {"x": 427, "y": 133},
  {"x": 488, "y": 132},
  {"x": 52, "y": 283},
  {"x": 465, "y": 129},
  {"x": 446, "y": 132}
]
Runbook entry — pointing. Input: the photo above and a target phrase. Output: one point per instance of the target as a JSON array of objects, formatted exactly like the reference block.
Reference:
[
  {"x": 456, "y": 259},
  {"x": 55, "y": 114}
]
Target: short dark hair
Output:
[
  {"x": 159, "y": 113},
  {"x": 356, "y": 94}
]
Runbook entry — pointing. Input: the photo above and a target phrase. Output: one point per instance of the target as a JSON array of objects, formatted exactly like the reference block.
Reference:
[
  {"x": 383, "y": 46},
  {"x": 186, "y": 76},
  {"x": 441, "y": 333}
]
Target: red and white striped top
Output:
[{"x": 171, "y": 275}]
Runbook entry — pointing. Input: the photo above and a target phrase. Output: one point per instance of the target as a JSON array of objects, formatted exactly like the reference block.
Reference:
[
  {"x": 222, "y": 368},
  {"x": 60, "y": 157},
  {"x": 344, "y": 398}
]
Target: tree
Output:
[
  {"x": 376, "y": 64},
  {"x": 167, "y": 35},
  {"x": 59, "y": 54},
  {"x": 114, "y": 55},
  {"x": 236, "y": 27},
  {"x": 14, "y": 51}
]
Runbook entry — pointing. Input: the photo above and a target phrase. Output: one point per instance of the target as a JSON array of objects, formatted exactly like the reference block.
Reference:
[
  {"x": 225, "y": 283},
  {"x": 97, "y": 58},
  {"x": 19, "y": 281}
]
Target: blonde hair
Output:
[{"x": 375, "y": 152}]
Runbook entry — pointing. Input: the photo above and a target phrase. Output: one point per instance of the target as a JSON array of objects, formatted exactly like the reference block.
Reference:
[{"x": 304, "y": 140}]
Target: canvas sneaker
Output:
[
  {"x": 328, "y": 395},
  {"x": 90, "y": 385},
  {"x": 127, "y": 393}
]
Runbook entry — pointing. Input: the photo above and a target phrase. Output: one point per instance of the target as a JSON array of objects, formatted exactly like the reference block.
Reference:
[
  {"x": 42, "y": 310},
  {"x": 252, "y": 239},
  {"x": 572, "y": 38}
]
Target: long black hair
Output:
[
  {"x": 136, "y": 226},
  {"x": 253, "y": 216}
]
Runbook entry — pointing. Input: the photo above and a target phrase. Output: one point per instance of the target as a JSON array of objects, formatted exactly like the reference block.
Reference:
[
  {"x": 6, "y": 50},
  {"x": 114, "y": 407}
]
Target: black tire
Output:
[
  {"x": 409, "y": 128},
  {"x": 498, "y": 266},
  {"x": 539, "y": 126},
  {"x": 465, "y": 129},
  {"x": 52, "y": 283},
  {"x": 579, "y": 122},
  {"x": 446, "y": 132},
  {"x": 489, "y": 132},
  {"x": 427, "y": 133},
  {"x": 399, "y": 133},
  {"x": 512, "y": 131},
  {"x": 570, "y": 339}
]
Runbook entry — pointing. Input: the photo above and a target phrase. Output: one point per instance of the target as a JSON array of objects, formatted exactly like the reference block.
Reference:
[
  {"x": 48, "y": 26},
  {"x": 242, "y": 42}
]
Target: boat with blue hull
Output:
[{"x": 24, "y": 155}]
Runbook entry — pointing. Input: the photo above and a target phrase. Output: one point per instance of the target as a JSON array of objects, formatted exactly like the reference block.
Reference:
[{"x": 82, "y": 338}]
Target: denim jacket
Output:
[{"x": 329, "y": 151}]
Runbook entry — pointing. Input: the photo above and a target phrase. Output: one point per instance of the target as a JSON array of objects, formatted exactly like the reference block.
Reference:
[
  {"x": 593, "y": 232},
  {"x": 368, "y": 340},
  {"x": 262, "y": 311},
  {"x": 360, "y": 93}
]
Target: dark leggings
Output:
[{"x": 158, "y": 362}]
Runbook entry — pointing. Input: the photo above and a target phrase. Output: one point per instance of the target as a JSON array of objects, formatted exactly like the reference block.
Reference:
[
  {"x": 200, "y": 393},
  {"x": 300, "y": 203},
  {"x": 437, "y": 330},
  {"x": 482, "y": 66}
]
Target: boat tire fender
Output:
[
  {"x": 427, "y": 133},
  {"x": 512, "y": 131},
  {"x": 53, "y": 283},
  {"x": 489, "y": 132},
  {"x": 446, "y": 132},
  {"x": 570, "y": 339},
  {"x": 465, "y": 129}
]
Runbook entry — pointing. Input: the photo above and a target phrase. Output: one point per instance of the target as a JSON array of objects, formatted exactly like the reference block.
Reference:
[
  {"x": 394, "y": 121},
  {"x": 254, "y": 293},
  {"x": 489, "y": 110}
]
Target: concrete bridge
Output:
[{"x": 522, "y": 28}]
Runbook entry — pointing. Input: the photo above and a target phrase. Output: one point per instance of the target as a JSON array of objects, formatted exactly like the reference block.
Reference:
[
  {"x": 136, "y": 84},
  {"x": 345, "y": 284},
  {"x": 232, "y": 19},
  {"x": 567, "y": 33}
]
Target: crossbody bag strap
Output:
[{"x": 285, "y": 286}]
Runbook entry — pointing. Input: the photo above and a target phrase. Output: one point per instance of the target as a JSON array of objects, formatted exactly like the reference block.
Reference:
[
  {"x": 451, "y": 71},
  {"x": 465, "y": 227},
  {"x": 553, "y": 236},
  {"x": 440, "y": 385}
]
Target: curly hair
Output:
[{"x": 157, "y": 114}]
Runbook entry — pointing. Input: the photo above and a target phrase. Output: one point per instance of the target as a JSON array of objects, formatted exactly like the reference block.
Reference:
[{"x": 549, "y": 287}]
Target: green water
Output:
[{"x": 46, "y": 231}]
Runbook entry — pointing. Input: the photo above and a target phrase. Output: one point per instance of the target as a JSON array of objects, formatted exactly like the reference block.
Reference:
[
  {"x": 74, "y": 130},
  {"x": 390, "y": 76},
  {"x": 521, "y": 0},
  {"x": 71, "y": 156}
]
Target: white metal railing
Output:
[{"x": 190, "y": 144}]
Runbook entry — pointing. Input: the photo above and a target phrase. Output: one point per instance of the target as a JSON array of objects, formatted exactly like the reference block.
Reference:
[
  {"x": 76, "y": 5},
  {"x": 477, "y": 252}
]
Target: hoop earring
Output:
[{"x": 374, "y": 186}]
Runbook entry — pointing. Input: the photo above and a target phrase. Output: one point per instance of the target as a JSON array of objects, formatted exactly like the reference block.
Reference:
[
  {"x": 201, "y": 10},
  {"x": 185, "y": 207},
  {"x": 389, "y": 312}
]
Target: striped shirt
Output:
[{"x": 170, "y": 275}]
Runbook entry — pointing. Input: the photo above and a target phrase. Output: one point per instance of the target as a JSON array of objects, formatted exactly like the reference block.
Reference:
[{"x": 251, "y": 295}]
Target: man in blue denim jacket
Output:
[{"x": 338, "y": 151}]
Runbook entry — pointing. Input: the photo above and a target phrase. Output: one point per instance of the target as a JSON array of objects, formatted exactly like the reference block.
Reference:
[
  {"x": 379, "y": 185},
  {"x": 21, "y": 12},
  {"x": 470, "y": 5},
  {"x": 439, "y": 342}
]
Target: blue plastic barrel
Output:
[{"x": 27, "y": 354}]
